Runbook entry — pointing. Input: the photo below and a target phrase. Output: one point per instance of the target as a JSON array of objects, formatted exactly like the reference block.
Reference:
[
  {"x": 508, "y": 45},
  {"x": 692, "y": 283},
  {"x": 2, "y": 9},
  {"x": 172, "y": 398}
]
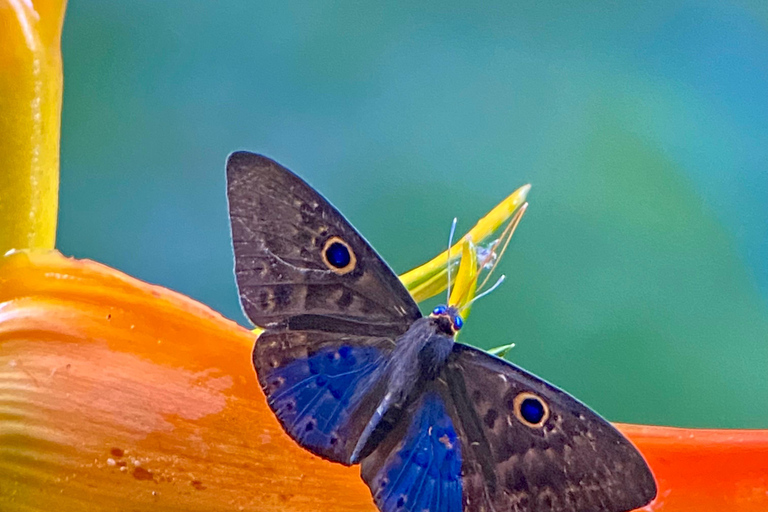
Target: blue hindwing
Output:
[
  {"x": 315, "y": 396},
  {"x": 423, "y": 472}
]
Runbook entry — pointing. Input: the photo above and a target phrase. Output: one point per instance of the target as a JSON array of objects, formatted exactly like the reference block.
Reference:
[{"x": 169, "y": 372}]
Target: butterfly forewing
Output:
[
  {"x": 299, "y": 264},
  {"x": 569, "y": 460},
  {"x": 332, "y": 308}
]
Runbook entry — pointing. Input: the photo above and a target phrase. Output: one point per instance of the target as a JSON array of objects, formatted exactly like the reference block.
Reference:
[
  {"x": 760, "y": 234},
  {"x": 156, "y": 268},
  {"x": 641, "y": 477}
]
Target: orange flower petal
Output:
[
  {"x": 705, "y": 470},
  {"x": 119, "y": 395}
]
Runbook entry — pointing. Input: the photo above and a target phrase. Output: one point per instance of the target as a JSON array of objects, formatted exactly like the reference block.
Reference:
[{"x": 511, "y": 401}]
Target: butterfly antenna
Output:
[
  {"x": 486, "y": 292},
  {"x": 450, "y": 245},
  {"x": 506, "y": 236}
]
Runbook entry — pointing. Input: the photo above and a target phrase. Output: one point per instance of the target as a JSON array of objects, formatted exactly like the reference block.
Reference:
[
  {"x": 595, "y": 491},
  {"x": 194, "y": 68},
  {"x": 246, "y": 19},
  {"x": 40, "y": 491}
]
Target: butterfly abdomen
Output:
[{"x": 419, "y": 357}]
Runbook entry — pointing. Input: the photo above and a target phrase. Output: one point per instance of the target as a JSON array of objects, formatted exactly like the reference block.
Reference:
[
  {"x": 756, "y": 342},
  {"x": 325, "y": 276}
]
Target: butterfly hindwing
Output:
[
  {"x": 323, "y": 387},
  {"x": 418, "y": 466},
  {"x": 299, "y": 264},
  {"x": 528, "y": 446}
]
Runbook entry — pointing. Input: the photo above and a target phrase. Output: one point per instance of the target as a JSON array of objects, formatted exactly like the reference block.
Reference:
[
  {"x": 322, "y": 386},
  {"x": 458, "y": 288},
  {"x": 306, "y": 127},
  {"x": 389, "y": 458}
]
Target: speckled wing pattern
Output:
[
  {"x": 279, "y": 227},
  {"x": 418, "y": 465},
  {"x": 575, "y": 462},
  {"x": 328, "y": 336}
]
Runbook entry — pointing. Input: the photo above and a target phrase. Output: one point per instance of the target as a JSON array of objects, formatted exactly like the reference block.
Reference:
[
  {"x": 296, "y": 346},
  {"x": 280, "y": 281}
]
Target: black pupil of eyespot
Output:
[
  {"x": 337, "y": 255},
  {"x": 532, "y": 410}
]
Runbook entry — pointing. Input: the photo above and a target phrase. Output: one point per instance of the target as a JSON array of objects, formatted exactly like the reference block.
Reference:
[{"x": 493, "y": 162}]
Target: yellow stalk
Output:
[{"x": 30, "y": 119}]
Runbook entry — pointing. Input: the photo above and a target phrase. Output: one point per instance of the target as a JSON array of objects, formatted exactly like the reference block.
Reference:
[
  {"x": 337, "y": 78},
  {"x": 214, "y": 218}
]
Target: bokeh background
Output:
[{"x": 638, "y": 280}]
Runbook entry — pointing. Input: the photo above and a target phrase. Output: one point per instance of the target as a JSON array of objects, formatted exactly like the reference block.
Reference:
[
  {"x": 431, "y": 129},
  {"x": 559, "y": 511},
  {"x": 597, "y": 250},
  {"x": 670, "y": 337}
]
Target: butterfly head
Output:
[{"x": 448, "y": 319}]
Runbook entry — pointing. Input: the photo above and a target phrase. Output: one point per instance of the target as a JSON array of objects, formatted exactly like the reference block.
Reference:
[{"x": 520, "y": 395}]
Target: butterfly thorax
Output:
[{"x": 421, "y": 353}]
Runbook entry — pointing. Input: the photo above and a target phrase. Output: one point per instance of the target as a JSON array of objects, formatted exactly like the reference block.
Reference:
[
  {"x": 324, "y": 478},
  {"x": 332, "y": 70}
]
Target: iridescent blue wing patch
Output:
[
  {"x": 418, "y": 465},
  {"x": 323, "y": 387}
]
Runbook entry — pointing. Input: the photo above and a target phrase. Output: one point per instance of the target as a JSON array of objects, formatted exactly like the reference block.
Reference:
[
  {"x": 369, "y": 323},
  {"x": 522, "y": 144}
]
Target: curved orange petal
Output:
[
  {"x": 703, "y": 470},
  {"x": 119, "y": 395},
  {"x": 115, "y": 394}
]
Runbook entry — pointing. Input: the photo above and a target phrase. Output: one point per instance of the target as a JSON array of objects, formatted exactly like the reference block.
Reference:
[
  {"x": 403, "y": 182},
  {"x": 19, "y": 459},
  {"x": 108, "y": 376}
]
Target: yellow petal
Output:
[
  {"x": 466, "y": 278},
  {"x": 432, "y": 277}
]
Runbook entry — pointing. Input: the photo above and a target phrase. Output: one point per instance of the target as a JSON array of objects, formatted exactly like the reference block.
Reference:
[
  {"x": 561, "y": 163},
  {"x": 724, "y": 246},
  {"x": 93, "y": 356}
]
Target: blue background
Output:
[{"x": 638, "y": 280}]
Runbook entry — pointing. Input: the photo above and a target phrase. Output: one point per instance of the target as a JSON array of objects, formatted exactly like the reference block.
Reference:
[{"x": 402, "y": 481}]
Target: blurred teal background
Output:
[{"x": 638, "y": 280}]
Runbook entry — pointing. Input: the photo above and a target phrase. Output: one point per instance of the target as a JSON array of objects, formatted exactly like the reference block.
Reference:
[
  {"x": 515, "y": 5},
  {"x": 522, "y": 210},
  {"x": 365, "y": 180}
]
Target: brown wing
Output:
[
  {"x": 528, "y": 446},
  {"x": 299, "y": 264}
]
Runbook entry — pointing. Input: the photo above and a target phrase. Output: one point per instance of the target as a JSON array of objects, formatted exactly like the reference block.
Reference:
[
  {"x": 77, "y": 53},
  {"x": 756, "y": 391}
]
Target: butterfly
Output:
[{"x": 356, "y": 374}]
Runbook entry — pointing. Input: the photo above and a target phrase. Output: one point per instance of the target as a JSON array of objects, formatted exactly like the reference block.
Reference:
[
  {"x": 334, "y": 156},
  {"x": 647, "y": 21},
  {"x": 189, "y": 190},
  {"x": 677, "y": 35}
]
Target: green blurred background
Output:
[{"x": 638, "y": 280}]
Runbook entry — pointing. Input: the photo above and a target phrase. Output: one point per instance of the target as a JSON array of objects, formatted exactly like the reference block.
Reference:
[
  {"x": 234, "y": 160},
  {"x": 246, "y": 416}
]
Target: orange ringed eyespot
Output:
[
  {"x": 338, "y": 256},
  {"x": 531, "y": 410}
]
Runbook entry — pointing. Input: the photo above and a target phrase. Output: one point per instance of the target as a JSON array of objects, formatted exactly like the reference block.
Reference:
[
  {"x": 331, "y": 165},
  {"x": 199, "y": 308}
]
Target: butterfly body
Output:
[{"x": 355, "y": 374}]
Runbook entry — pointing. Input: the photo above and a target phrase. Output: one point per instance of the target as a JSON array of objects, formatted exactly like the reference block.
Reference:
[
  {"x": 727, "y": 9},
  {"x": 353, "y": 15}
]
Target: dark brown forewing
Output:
[
  {"x": 279, "y": 227},
  {"x": 575, "y": 462}
]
